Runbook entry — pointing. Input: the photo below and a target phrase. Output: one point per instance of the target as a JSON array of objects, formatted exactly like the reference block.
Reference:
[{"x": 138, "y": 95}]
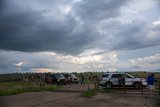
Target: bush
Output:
[{"x": 105, "y": 90}]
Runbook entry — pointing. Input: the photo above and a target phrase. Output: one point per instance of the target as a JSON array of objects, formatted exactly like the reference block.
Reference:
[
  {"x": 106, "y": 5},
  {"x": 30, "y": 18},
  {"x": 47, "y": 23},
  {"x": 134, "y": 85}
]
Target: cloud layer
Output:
[
  {"x": 67, "y": 27},
  {"x": 80, "y": 32}
]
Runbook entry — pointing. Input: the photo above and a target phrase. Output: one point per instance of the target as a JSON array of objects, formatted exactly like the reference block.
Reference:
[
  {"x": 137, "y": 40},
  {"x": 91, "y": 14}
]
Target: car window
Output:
[
  {"x": 126, "y": 76},
  {"x": 115, "y": 76},
  {"x": 105, "y": 75}
]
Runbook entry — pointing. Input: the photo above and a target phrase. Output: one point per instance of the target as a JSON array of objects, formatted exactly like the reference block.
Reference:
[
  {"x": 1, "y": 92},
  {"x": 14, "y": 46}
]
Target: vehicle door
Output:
[
  {"x": 128, "y": 79},
  {"x": 115, "y": 79},
  {"x": 104, "y": 78}
]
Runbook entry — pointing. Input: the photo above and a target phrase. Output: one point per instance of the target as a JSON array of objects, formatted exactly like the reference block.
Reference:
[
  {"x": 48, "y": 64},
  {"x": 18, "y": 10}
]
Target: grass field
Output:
[
  {"x": 11, "y": 88},
  {"x": 14, "y": 83},
  {"x": 144, "y": 74}
]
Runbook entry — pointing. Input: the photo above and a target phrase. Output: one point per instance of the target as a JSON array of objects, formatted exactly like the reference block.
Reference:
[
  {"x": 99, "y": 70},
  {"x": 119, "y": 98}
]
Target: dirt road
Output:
[{"x": 74, "y": 99}]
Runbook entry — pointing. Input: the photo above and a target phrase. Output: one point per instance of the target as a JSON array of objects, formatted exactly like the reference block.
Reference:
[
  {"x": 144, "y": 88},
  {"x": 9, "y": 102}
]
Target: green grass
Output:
[
  {"x": 89, "y": 93},
  {"x": 105, "y": 90},
  {"x": 11, "y": 88}
]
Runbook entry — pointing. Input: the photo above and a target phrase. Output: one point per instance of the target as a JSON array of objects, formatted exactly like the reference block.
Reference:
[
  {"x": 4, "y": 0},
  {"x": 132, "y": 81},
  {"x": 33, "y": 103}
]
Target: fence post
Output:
[
  {"x": 88, "y": 86},
  {"x": 141, "y": 87},
  {"x": 125, "y": 86},
  {"x": 97, "y": 82},
  {"x": 88, "y": 82},
  {"x": 158, "y": 80},
  {"x": 119, "y": 83},
  {"x": 109, "y": 82}
]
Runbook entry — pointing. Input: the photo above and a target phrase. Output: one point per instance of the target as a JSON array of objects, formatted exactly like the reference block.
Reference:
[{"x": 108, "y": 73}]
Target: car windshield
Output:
[
  {"x": 59, "y": 76},
  {"x": 72, "y": 75},
  {"x": 130, "y": 76}
]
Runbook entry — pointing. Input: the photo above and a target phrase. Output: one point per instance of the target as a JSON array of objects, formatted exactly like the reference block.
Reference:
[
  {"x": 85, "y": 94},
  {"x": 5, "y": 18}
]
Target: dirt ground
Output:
[{"x": 66, "y": 97}]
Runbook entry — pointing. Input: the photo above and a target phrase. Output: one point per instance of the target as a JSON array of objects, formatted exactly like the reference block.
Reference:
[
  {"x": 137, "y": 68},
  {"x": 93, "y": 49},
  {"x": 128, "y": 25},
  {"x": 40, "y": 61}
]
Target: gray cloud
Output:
[
  {"x": 41, "y": 26},
  {"x": 2, "y": 3},
  {"x": 36, "y": 26},
  {"x": 128, "y": 36},
  {"x": 66, "y": 27},
  {"x": 98, "y": 10},
  {"x": 137, "y": 36},
  {"x": 9, "y": 59}
]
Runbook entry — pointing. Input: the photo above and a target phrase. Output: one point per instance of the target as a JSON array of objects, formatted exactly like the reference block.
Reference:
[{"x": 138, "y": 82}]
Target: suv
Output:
[
  {"x": 71, "y": 78},
  {"x": 113, "y": 79},
  {"x": 55, "y": 79}
]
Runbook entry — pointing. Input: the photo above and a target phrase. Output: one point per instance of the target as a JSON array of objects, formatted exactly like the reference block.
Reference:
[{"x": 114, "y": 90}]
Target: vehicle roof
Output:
[
  {"x": 114, "y": 73},
  {"x": 54, "y": 74},
  {"x": 110, "y": 73}
]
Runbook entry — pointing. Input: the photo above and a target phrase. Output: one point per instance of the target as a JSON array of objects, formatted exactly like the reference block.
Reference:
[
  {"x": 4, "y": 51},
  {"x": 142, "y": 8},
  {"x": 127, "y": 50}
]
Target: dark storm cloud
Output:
[
  {"x": 29, "y": 31},
  {"x": 33, "y": 26},
  {"x": 2, "y": 3}
]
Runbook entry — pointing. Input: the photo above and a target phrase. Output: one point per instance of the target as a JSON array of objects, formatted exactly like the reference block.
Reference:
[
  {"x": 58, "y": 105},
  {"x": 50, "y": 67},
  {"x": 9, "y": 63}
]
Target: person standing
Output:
[
  {"x": 121, "y": 81},
  {"x": 150, "y": 83},
  {"x": 82, "y": 80}
]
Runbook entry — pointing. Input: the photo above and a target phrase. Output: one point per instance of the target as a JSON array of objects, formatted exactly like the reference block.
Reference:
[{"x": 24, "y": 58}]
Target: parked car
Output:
[
  {"x": 55, "y": 79},
  {"x": 112, "y": 80},
  {"x": 71, "y": 78}
]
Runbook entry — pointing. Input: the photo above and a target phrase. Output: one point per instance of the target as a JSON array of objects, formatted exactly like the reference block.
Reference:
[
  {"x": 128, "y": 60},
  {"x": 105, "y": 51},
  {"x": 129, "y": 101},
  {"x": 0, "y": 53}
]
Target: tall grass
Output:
[{"x": 11, "y": 88}]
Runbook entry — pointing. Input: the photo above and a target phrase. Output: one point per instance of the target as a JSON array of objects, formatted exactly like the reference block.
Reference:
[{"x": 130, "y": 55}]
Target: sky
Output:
[{"x": 79, "y": 35}]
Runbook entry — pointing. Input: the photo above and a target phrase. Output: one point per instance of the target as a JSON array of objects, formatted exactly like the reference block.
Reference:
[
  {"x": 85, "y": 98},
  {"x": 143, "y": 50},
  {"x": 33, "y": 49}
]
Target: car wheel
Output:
[
  {"x": 108, "y": 85},
  {"x": 137, "y": 85},
  {"x": 76, "y": 82}
]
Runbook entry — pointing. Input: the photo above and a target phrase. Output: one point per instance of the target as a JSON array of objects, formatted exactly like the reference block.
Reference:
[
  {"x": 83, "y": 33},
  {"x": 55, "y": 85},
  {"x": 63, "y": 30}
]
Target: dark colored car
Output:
[
  {"x": 55, "y": 79},
  {"x": 71, "y": 78}
]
